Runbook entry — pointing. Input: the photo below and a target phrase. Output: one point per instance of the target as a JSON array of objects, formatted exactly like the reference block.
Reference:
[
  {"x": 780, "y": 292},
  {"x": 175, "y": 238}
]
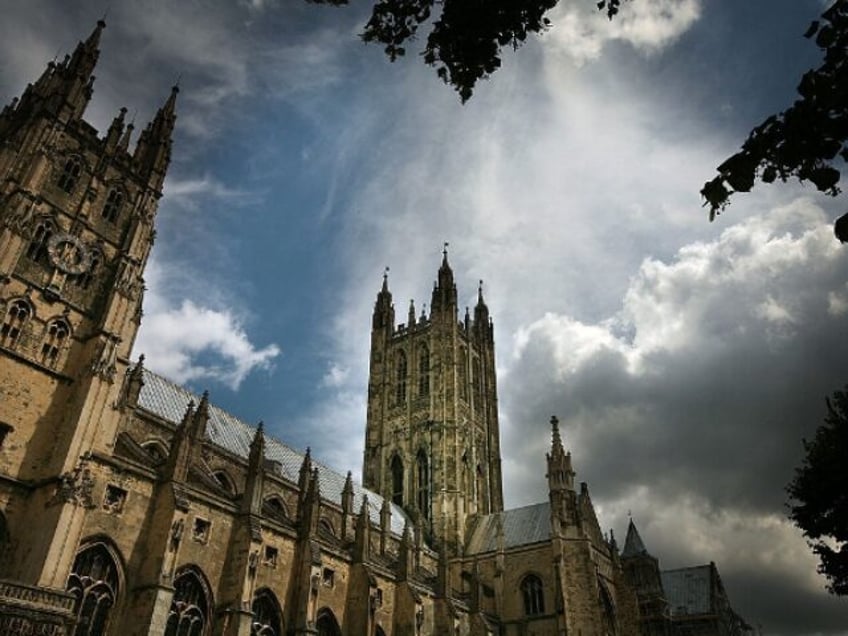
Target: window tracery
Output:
[
  {"x": 55, "y": 338},
  {"x": 70, "y": 175},
  {"x": 267, "y": 616},
  {"x": 94, "y": 584},
  {"x": 327, "y": 624},
  {"x": 423, "y": 371},
  {"x": 113, "y": 205},
  {"x": 534, "y": 599},
  {"x": 401, "y": 371},
  {"x": 189, "y": 613},
  {"x": 17, "y": 315}
]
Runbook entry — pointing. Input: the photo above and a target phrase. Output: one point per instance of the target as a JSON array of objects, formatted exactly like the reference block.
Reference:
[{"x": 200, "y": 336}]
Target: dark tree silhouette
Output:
[
  {"x": 806, "y": 141},
  {"x": 819, "y": 494},
  {"x": 466, "y": 37}
]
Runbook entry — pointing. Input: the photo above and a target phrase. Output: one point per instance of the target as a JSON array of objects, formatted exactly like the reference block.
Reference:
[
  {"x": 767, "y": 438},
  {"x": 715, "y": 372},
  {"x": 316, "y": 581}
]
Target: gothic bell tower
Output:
[
  {"x": 432, "y": 440},
  {"x": 76, "y": 228}
]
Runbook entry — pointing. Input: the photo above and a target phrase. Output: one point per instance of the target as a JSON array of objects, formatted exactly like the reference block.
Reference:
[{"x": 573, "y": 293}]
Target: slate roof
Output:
[
  {"x": 167, "y": 400},
  {"x": 521, "y": 526},
  {"x": 689, "y": 590}
]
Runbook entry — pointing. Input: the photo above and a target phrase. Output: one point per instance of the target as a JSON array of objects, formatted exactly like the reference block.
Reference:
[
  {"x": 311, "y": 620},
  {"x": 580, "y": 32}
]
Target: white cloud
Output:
[
  {"x": 187, "y": 341},
  {"x": 581, "y": 31}
]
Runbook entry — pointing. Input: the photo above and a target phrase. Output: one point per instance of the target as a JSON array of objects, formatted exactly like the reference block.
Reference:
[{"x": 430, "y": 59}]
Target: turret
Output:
[
  {"x": 252, "y": 500},
  {"x": 153, "y": 151},
  {"x": 444, "y": 292},
  {"x": 384, "y": 310},
  {"x": 560, "y": 473},
  {"x": 482, "y": 323}
]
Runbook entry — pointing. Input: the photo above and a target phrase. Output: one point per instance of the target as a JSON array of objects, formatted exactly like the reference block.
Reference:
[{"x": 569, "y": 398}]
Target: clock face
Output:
[{"x": 68, "y": 253}]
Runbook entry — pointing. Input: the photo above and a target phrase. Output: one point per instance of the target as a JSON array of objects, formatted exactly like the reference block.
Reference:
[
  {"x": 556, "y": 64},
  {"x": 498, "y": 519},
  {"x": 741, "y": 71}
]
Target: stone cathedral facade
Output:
[{"x": 130, "y": 506}]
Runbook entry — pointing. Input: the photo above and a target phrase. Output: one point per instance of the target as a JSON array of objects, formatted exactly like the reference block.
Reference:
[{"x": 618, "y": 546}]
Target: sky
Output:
[{"x": 685, "y": 359}]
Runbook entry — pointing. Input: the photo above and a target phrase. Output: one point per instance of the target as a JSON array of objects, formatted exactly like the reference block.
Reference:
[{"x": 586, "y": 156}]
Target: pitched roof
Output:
[
  {"x": 520, "y": 526},
  {"x": 633, "y": 545},
  {"x": 169, "y": 401}
]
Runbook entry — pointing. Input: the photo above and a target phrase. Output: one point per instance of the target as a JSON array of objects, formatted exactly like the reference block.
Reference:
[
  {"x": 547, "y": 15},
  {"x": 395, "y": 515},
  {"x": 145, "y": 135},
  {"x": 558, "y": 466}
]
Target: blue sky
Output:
[{"x": 686, "y": 359}]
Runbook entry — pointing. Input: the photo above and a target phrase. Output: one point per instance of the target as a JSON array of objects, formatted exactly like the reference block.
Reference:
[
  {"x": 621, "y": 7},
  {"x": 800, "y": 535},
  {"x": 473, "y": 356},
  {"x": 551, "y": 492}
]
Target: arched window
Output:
[
  {"x": 17, "y": 314},
  {"x": 423, "y": 474},
  {"x": 397, "y": 480},
  {"x": 112, "y": 207},
  {"x": 477, "y": 380},
  {"x": 157, "y": 450},
  {"x": 401, "y": 372},
  {"x": 275, "y": 508},
  {"x": 225, "y": 481},
  {"x": 534, "y": 599},
  {"x": 4, "y": 540},
  {"x": 94, "y": 584},
  {"x": 189, "y": 613},
  {"x": 55, "y": 338},
  {"x": 37, "y": 248},
  {"x": 423, "y": 371},
  {"x": 327, "y": 624},
  {"x": 607, "y": 609},
  {"x": 70, "y": 175},
  {"x": 267, "y": 616},
  {"x": 84, "y": 278}
]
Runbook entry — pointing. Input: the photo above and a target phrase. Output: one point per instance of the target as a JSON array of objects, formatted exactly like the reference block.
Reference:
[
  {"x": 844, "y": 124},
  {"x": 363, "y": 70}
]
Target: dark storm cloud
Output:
[{"x": 699, "y": 407}]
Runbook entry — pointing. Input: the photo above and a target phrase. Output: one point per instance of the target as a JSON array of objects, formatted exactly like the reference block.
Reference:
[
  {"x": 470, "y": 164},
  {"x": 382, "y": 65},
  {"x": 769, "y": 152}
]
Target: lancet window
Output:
[
  {"x": 55, "y": 338},
  {"x": 16, "y": 318},
  {"x": 189, "y": 613},
  {"x": 94, "y": 584},
  {"x": 423, "y": 473},
  {"x": 327, "y": 624},
  {"x": 70, "y": 175},
  {"x": 423, "y": 371},
  {"x": 267, "y": 616},
  {"x": 112, "y": 207},
  {"x": 534, "y": 599},
  {"x": 401, "y": 371},
  {"x": 397, "y": 480}
]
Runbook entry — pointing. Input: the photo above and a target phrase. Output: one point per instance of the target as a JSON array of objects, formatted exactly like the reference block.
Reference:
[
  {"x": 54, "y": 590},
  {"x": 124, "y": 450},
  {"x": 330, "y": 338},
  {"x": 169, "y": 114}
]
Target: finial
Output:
[
  {"x": 141, "y": 359},
  {"x": 445, "y": 250},
  {"x": 260, "y": 428},
  {"x": 557, "y": 440}
]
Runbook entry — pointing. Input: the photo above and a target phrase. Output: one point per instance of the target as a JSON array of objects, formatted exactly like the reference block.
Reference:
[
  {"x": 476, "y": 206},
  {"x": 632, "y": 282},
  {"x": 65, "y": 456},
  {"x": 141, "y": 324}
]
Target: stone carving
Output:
[
  {"x": 103, "y": 364},
  {"x": 75, "y": 487}
]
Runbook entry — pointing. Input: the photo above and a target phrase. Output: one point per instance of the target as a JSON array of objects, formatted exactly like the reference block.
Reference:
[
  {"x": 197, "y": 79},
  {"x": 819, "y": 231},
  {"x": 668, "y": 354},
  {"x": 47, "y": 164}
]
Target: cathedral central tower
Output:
[{"x": 432, "y": 440}]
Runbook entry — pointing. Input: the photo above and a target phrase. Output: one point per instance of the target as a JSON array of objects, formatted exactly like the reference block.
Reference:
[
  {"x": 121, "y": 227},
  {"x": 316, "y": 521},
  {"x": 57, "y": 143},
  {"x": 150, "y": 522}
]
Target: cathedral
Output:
[{"x": 130, "y": 506}]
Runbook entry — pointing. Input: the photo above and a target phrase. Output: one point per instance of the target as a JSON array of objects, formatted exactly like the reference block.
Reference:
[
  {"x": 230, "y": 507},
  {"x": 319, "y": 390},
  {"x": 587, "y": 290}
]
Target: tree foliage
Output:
[
  {"x": 466, "y": 37},
  {"x": 819, "y": 494},
  {"x": 807, "y": 140}
]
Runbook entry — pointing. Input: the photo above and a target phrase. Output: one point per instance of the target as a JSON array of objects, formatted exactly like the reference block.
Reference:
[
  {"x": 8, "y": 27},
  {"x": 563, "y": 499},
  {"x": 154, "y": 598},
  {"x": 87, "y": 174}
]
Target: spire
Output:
[
  {"x": 384, "y": 311},
  {"x": 201, "y": 417},
  {"x": 84, "y": 58},
  {"x": 257, "y": 446},
  {"x": 252, "y": 500},
  {"x": 116, "y": 129},
  {"x": 153, "y": 152},
  {"x": 560, "y": 474},
  {"x": 444, "y": 293},
  {"x": 135, "y": 382},
  {"x": 410, "y": 322},
  {"x": 362, "y": 541},
  {"x": 633, "y": 545},
  {"x": 481, "y": 314},
  {"x": 76, "y": 85}
]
